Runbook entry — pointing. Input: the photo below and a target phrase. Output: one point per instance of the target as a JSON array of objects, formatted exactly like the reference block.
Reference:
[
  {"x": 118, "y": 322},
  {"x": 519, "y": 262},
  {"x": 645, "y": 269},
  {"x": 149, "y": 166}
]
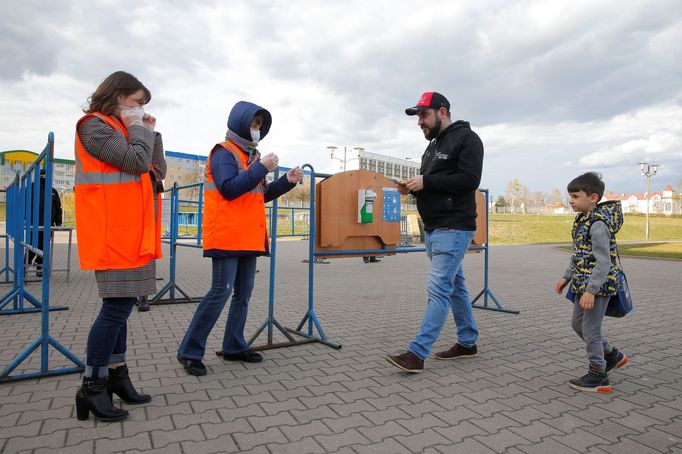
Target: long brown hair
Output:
[{"x": 104, "y": 99}]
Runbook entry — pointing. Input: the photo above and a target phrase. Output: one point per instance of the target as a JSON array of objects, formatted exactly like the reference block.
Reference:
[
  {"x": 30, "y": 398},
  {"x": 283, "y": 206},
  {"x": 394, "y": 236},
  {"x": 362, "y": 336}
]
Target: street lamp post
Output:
[
  {"x": 333, "y": 149},
  {"x": 648, "y": 171}
]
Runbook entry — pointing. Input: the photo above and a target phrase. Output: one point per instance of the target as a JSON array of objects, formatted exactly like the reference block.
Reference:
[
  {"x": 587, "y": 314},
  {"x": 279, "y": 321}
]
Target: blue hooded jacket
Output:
[
  {"x": 225, "y": 172},
  {"x": 241, "y": 117}
]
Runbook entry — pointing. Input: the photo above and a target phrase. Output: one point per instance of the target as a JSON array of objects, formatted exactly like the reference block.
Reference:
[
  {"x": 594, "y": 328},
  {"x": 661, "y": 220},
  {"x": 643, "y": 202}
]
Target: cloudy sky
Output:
[{"x": 554, "y": 88}]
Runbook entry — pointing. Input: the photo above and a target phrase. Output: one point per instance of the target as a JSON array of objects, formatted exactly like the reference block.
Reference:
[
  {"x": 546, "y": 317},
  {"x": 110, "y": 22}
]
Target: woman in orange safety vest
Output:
[
  {"x": 234, "y": 235},
  {"x": 120, "y": 167}
]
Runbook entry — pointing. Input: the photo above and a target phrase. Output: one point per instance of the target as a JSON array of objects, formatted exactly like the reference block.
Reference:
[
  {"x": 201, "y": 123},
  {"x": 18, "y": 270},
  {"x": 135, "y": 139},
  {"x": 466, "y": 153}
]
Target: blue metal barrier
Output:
[
  {"x": 271, "y": 322},
  {"x": 171, "y": 286},
  {"x": 22, "y": 220},
  {"x": 405, "y": 237},
  {"x": 310, "y": 316},
  {"x": 8, "y": 267},
  {"x": 485, "y": 292},
  {"x": 191, "y": 219},
  {"x": 178, "y": 218},
  {"x": 23, "y": 205},
  {"x": 293, "y": 231}
]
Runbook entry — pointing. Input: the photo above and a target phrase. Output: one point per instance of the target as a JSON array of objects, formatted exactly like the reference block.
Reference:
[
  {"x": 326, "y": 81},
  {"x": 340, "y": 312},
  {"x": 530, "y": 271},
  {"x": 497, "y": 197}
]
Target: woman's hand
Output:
[
  {"x": 149, "y": 122},
  {"x": 295, "y": 175},
  {"x": 132, "y": 116},
  {"x": 270, "y": 161}
]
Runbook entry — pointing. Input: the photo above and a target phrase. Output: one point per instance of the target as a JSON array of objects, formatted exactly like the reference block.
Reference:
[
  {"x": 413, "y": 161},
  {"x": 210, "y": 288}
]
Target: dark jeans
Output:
[
  {"x": 108, "y": 336},
  {"x": 229, "y": 275}
]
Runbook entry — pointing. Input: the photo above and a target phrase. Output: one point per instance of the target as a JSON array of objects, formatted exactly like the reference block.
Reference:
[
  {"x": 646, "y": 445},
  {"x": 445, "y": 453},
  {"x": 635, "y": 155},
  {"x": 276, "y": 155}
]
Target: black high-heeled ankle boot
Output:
[
  {"x": 143, "y": 304},
  {"x": 92, "y": 397},
  {"x": 119, "y": 383}
]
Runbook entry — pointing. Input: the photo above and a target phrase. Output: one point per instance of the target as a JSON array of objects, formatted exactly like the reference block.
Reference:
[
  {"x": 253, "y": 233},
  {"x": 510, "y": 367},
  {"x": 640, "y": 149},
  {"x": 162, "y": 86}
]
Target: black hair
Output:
[{"x": 589, "y": 183}]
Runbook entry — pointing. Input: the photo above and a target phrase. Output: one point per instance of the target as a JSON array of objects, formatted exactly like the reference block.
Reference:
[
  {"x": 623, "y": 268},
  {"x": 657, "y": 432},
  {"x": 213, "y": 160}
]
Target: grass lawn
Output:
[
  {"x": 663, "y": 250},
  {"x": 529, "y": 229}
]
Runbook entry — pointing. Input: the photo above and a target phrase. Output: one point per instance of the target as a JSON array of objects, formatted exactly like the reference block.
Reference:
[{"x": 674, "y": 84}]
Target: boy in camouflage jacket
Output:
[{"x": 593, "y": 276}]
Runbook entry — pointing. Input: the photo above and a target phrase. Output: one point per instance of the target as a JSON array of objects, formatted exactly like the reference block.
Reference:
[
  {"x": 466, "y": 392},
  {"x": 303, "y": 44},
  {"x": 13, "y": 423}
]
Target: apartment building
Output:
[{"x": 391, "y": 167}]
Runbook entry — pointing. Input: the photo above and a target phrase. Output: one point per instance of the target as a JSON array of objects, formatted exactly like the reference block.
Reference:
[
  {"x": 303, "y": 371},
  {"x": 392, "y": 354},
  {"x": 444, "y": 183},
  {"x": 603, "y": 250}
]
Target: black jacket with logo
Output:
[{"x": 451, "y": 166}]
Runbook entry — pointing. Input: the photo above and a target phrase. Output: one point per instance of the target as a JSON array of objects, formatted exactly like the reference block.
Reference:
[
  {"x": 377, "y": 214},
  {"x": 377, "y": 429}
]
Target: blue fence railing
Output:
[{"x": 23, "y": 227}]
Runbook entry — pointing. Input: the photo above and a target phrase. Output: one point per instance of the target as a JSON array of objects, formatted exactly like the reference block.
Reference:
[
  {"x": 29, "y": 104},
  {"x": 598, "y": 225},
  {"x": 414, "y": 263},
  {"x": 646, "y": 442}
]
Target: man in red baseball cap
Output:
[
  {"x": 446, "y": 199},
  {"x": 429, "y": 100}
]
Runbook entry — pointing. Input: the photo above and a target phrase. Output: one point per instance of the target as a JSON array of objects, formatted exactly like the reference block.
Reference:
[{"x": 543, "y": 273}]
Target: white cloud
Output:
[
  {"x": 543, "y": 83},
  {"x": 546, "y": 156}
]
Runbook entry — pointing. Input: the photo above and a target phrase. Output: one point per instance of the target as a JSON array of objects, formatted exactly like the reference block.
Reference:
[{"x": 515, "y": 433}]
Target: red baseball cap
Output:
[{"x": 429, "y": 100}]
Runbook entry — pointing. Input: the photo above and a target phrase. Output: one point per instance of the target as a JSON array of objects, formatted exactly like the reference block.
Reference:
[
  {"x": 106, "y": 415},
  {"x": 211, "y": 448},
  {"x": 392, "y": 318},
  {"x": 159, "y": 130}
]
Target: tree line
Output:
[{"x": 519, "y": 199}]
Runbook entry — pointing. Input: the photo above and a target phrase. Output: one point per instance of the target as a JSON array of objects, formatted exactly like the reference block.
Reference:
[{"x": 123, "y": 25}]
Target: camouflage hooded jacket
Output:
[{"x": 583, "y": 261}]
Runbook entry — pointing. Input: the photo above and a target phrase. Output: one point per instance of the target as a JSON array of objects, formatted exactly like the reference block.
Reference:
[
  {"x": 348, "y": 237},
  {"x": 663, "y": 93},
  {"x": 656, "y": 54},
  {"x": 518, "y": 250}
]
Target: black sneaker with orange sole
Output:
[
  {"x": 591, "y": 382},
  {"x": 615, "y": 360}
]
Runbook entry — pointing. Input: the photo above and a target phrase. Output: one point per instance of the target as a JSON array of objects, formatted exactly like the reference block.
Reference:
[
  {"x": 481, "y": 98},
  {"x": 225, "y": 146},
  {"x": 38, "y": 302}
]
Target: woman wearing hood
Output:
[{"x": 234, "y": 232}]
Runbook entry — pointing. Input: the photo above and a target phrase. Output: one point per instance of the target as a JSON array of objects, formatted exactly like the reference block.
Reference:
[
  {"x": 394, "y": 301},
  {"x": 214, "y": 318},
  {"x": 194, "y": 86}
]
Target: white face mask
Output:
[
  {"x": 255, "y": 135},
  {"x": 135, "y": 110}
]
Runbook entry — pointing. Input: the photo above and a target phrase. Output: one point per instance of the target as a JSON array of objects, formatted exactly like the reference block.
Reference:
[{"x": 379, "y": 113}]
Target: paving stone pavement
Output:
[{"x": 511, "y": 398}]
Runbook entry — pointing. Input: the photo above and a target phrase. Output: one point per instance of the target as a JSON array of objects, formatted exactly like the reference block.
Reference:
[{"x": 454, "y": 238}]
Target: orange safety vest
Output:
[
  {"x": 115, "y": 221},
  {"x": 233, "y": 225}
]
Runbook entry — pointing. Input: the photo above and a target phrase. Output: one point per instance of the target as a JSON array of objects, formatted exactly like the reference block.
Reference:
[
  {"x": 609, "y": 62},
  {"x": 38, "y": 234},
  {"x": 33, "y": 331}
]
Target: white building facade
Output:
[
  {"x": 184, "y": 168},
  {"x": 665, "y": 202},
  {"x": 396, "y": 168}
]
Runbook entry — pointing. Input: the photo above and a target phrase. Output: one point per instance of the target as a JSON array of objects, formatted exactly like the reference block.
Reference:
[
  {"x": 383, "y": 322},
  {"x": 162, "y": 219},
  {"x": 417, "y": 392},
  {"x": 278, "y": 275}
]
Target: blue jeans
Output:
[
  {"x": 446, "y": 290},
  {"x": 108, "y": 336},
  {"x": 230, "y": 275}
]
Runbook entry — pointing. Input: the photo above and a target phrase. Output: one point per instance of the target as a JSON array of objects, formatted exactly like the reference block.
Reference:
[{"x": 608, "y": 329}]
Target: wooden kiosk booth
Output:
[
  {"x": 356, "y": 213},
  {"x": 341, "y": 231}
]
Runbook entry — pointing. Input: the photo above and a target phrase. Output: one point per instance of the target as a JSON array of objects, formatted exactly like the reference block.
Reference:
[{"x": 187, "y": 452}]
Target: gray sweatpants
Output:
[{"x": 588, "y": 326}]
